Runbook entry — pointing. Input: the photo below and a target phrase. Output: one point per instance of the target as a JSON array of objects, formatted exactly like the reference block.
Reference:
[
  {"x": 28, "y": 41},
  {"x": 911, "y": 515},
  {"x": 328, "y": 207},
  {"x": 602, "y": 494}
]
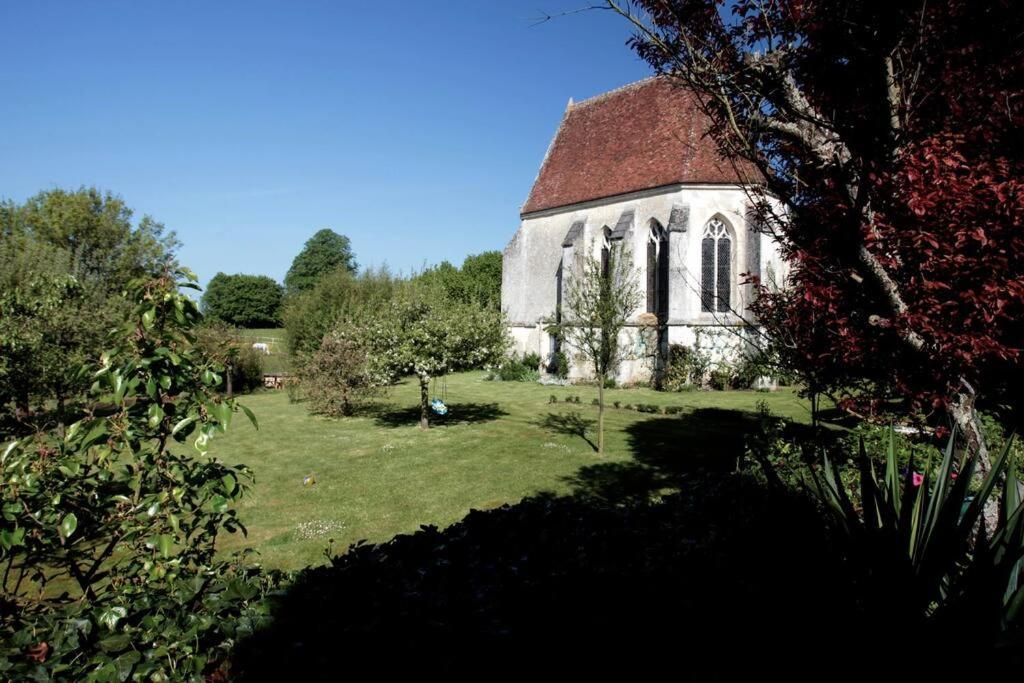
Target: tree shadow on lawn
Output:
[
  {"x": 665, "y": 450},
  {"x": 458, "y": 413},
  {"x": 668, "y": 450},
  {"x": 697, "y": 586},
  {"x": 568, "y": 424}
]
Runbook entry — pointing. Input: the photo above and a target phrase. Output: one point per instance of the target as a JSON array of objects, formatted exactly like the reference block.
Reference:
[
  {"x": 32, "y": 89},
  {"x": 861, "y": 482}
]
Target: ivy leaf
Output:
[
  {"x": 163, "y": 544},
  {"x": 68, "y": 525}
]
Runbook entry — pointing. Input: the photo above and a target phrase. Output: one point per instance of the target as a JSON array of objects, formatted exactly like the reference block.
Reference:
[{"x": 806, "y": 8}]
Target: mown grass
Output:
[{"x": 378, "y": 475}]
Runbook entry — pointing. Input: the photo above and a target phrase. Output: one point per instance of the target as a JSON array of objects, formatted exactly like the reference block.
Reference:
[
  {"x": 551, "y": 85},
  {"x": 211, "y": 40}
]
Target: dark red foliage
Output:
[{"x": 933, "y": 186}]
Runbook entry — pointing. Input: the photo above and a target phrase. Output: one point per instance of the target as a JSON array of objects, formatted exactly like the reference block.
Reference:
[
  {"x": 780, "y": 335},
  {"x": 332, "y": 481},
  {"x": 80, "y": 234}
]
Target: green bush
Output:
[
  {"x": 516, "y": 369},
  {"x": 719, "y": 378},
  {"x": 337, "y": 378},
  {"x": 224, "y": 344},
  {"x": 685, "y": 367},
  {"x": 560, "y": 365},
  {"x": 108, "y": 534}
]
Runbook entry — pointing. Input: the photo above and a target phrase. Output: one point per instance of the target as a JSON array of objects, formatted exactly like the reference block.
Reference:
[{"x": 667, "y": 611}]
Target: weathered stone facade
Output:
[
  {"x": 536, "y": 262},
  {"x": 697, "y": 222}
]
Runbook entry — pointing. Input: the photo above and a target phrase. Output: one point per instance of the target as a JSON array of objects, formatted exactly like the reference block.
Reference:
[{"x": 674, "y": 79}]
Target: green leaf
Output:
[
  {"x": 182, "y": 423},
  {"x": 165, "y": 382},
  {"x": 249, "y": 414},
  {"x": 68, "y": 525},
  {"x": 156, "y": 414},
  {"x": 163, "y": 544},
  {"x": 229, "y": 483},
  {"x": 219, "y": 504},
  {"x": 148, "y": 317}
]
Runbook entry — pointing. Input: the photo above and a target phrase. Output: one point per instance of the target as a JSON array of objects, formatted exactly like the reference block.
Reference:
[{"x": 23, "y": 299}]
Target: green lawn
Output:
[{"x": 380, "y": 475}]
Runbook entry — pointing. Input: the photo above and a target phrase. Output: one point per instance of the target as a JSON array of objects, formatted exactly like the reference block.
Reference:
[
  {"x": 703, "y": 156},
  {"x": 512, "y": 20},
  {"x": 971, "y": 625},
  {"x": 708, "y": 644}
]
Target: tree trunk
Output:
[
  {"x": 600, "y": 414},
  {"x": 227, "y": 379},
  {"x": 972, "y": 442},
  {"x": 424, "y": 401}
]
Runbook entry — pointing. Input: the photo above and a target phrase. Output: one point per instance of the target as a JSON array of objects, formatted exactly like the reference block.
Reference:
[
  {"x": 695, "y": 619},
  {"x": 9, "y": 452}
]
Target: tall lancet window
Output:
[
  {"x": 657, "y": 271},
  {"x": 716, "y": 267},
  {"x": 606, "y": 248}
]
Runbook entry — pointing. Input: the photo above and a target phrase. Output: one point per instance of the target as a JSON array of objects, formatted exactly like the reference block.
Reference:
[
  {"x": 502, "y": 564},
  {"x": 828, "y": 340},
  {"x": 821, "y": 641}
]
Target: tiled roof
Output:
[{"x": 648, "y": 134}]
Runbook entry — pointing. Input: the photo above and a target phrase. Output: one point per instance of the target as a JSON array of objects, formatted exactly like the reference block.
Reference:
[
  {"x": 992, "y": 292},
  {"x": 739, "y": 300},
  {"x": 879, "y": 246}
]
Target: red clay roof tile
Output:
[{"x": 647, "y": 134}]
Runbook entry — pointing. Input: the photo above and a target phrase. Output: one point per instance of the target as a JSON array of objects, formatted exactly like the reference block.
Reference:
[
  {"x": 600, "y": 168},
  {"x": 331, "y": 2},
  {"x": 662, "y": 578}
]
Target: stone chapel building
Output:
[{"x": 636, "y": 165}]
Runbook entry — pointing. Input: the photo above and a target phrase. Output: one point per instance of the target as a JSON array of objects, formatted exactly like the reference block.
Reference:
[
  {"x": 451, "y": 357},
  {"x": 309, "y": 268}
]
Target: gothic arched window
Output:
[
  {"x": 715, "y": 267},
  {"x": 657, "y": 271}
]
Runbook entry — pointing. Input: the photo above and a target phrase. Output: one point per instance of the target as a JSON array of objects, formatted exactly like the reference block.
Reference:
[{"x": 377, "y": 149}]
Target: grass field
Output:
[
  {"x": 276, "y": 339},
  {"x": 379, "y": 475}
]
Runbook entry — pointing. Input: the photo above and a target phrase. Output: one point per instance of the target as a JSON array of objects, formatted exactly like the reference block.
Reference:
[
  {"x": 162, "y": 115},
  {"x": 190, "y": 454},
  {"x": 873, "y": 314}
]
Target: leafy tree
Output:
[
  {"x": 107, "y": 538},
  {"x": 65, "y": 257},
  {"x": 477, "y": 281},
  {"x": 429, "y": 336},
  {"x": 601, "y": 297},
  {"x": 51, "y": 321},
  {"x": 338, "y": 296},
  {"x": 889, "y": 134},
  {"x": 324, "y": 252},
  {"x": 243, "y": 300},
  {"x": 96, "y": 229}
]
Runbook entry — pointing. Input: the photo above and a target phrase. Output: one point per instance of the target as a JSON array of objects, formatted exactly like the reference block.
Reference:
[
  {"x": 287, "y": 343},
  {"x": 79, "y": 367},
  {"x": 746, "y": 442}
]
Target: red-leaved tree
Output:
[{"x": 890, "y": 132}]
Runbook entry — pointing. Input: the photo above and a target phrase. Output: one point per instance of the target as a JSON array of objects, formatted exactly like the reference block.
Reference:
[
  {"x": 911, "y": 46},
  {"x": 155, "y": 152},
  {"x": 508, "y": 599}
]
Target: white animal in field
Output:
[{"x": 262, "y": 348}]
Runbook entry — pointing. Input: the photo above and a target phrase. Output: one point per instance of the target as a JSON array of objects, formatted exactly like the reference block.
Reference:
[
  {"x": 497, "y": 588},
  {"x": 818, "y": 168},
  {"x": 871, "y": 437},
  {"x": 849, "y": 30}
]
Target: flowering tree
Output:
[
  {"x": 890, "y": 135},
  {"x": 426, "y": 335}
]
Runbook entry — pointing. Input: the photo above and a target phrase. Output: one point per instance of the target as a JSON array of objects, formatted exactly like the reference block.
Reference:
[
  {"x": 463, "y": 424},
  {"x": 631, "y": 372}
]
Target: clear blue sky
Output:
[{"x": 415, "y": 128}]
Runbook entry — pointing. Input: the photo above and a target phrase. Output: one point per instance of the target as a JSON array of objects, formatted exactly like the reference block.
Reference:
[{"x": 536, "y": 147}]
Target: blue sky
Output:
[{"x": 415, "y": 128}]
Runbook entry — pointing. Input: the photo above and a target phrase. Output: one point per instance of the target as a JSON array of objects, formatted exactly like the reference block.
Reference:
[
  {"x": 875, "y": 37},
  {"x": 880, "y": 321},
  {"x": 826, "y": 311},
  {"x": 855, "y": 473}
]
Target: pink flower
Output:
[
  {"x": 953, "y": 475},
  {"x": 917, "y": 479}
]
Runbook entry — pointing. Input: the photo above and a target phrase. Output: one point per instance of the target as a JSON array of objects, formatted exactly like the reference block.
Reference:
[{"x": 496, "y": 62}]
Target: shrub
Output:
[
  {"x": 914, "y": 540},
  {"x": 673, "y": 410},
  {"x": 108, "y": 535},
  {"x": 516, "y": 369},
  {"x": 337, "y": 377},
  {"x": 552, "y": 399},
  {"x": 685, "y": 367},
  {"x": 560, "y": 365},
  {"x": 224, "y": 344},
  {"x": 720, "y": 377},
  {"x": 617, "y": 404}
]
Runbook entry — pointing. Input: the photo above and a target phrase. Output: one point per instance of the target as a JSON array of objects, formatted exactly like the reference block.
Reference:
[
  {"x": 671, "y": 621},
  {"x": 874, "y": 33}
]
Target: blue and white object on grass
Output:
[{"x": 438, "y": 406}]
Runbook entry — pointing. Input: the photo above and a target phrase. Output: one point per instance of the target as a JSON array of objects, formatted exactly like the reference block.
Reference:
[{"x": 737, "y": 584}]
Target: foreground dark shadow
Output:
[
  {"x": 699, "y": 585},
  {"x": 457, "y": 413},
  {"x": 727, "y": 577}
]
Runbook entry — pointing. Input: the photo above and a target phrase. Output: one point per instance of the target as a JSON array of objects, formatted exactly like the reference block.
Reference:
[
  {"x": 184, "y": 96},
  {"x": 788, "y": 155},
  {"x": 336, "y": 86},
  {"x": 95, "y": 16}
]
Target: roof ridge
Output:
[{"x": 616, "y": 91}]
